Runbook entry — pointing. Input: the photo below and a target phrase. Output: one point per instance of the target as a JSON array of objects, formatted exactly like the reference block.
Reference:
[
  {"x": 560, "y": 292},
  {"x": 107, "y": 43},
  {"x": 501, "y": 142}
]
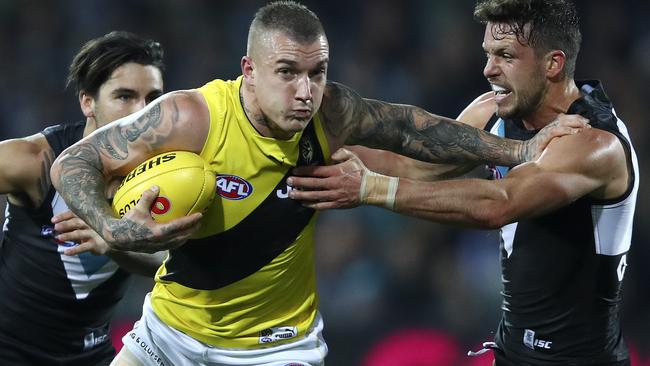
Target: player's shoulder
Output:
[
  {"x": 26, "y": 147},
  {"x": 593, "y": 152},
  {"x": 186, "y": 105},
  {"x": 479, "y": 111},
  {"x": 185, "y": 96}
]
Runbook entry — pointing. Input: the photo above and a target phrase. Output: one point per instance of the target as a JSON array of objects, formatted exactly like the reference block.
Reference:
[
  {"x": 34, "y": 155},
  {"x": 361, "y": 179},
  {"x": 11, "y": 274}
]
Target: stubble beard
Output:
[{"x": 525, "y": 104}]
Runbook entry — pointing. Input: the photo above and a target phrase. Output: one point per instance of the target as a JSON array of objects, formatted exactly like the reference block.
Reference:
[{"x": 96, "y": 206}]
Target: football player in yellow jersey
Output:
[{"x": 241, "y": 291}]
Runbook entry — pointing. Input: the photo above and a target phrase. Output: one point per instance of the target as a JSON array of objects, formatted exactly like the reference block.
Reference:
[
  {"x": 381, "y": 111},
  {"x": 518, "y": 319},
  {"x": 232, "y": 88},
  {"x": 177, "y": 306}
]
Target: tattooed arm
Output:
[
  {"x": 176, "y": 121},
  {"x": 406, "y": 130},
  {"x": 24, "y": 169},
  {"x": 416, "y": 133},
  {"x": 477, "y": 114}
]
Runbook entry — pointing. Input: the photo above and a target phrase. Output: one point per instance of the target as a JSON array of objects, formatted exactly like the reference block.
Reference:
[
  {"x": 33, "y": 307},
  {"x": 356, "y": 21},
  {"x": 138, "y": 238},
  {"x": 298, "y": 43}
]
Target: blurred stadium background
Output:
[{"x": 394, "y": 290}]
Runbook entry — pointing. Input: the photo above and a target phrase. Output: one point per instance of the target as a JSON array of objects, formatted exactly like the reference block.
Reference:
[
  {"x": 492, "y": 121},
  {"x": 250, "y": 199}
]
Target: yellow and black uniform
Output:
[{"x": 249, "y": 277}]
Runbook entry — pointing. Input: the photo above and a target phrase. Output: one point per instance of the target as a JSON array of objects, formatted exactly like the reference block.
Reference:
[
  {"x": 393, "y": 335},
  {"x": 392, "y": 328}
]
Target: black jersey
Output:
[
  {"x": 54, "y": 309},
  {"x": 562, "y": 272}
]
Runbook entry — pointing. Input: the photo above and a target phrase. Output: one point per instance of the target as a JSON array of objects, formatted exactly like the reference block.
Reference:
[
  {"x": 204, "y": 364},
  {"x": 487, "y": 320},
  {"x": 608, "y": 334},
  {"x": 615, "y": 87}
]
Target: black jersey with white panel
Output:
[
  {"x": 562, "y": 272},
  {"x": 54, "y": 309}
]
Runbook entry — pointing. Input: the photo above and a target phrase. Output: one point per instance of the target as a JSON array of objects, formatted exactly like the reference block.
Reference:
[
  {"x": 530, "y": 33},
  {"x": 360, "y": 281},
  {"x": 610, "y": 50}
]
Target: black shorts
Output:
[
  {"x": 500, "y": 360},
  {"x": 15, "y": 353}
]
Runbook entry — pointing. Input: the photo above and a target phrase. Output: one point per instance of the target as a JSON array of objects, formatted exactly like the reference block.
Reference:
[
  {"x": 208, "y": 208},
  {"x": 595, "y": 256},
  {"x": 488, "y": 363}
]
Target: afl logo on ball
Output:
[
  {"x": 233, "y": 187},
  {"x": 161, "y": 205}
]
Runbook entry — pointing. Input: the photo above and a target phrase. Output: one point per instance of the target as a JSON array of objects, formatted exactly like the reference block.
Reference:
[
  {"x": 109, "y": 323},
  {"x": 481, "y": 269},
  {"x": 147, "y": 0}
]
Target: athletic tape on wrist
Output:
[{"x": 378, "y": 189}]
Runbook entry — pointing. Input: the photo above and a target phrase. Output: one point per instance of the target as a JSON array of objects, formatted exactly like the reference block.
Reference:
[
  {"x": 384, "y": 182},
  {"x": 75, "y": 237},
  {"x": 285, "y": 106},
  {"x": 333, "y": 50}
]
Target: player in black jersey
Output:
[
  {"x": 565, "y": 219},
  {"x": 55, "y": 308}
]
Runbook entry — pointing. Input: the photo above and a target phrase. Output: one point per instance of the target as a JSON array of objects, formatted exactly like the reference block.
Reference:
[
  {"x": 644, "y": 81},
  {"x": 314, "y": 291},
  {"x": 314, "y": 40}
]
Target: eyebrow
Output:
[
  {"x": 499, "y": 49},
  {"x": 294, "y": 63},
  {"x": 133, "y": 92},
  {"x": 123, "y": 91},
  {"x": 286, "y": 61}
]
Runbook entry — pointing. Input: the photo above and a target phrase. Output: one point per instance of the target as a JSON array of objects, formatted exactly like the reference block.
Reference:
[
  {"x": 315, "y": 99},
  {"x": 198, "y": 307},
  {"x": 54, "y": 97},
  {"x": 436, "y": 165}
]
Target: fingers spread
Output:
[
  {"x": 309, "y": 196},
  {"x": 76, "y": 235},
  {"x": 314, "y": 170},
  {"x": 307, "y": 183},
  {"x": 71, "y": 224},
  {"x": 562, "y": 130},
  {"x": 343, "y": 154},
  {"x": 81, "y": 248},
  {"x": 62, "y": 217}
]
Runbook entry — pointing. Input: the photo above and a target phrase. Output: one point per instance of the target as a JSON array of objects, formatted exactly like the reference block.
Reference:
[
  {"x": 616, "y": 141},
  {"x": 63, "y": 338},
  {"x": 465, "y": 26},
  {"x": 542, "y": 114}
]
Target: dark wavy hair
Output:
[
  {"x": 554, "y": 25},
  {"x": 99, "y": 57}
]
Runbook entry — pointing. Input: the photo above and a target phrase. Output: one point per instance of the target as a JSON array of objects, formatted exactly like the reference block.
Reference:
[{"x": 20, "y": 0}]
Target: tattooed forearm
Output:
[
  {"x": 413, "y": 132},
  {"x": 127, "y": 232},
  {"x": 418, "y": 134},
  {"x": 82, "y": 185}
]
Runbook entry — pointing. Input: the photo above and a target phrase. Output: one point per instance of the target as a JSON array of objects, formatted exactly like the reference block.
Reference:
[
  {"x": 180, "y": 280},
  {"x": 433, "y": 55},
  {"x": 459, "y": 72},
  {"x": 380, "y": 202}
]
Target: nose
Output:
[
  {"x": 491, "y": 69},
  {"x": 138, "y": 104},
  {"x": 303, "y": 89}
]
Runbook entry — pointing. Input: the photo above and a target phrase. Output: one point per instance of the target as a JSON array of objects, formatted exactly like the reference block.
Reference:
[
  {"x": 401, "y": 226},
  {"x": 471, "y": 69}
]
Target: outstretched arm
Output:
[
  {"x": 176, "y": 121},
  {"x": 416, "y": 133},
  {"x": 390, "y": 163},
  {"x": 591, "y": 163},
  {"x": 476, "y": 114}
]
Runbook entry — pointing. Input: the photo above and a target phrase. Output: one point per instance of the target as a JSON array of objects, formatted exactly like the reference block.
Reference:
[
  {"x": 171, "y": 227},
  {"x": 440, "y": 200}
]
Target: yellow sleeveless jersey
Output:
[{"x": 248, "y": 280}]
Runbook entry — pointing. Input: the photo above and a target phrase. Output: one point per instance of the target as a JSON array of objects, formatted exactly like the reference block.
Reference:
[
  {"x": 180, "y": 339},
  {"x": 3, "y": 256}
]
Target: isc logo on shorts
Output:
[
  {"x": 233, "y": 187},
  {"x": 531, "y": 342}
]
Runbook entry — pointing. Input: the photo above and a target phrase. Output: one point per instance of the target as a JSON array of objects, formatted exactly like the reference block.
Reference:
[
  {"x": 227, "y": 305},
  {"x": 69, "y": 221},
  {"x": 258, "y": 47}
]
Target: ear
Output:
[
  {"x": 554, "y": 63},
  {"x": 248, "y": 70},
  {"x": 87, "y": 104}
]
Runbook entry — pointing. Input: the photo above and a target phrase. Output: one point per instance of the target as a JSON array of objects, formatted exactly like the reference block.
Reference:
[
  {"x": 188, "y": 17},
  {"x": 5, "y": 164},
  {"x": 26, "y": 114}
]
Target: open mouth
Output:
[{"x": 500, "y": 92}]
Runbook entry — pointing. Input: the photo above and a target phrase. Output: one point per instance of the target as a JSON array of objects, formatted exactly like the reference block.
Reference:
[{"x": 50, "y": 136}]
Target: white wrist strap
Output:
[{"x": 378, "y": 189}]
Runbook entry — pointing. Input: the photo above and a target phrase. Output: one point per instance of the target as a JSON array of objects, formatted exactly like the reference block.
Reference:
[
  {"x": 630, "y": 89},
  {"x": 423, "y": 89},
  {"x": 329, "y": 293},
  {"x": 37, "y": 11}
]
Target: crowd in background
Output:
[{"x": 382, "y": 277}]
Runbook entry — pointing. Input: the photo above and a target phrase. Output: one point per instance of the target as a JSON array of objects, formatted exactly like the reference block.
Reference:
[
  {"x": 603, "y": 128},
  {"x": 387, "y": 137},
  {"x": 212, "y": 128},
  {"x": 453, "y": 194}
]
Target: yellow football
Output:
[{"x": 187, "y": 185}]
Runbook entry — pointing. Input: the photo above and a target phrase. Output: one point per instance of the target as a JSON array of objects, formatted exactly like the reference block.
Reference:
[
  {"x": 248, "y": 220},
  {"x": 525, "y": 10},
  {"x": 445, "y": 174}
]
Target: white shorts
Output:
[{"x": 155, "y": 343}]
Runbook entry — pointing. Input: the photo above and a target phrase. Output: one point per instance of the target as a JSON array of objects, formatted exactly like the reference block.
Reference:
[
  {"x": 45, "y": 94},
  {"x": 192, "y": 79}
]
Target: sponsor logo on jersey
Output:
[
  {"x": 277, "y": 334},
  {"x": 306, "y": 150},
  {"x": 233, "y": 187},
  {"x": 531, "y": 342},
  {"x": 47, "y": 231},
  {"x": 283, "y": 193}
]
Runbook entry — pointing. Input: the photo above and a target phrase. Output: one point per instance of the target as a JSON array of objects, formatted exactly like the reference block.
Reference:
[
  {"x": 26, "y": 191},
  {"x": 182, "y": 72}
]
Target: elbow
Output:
[{"x": 494, "y": 216}]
